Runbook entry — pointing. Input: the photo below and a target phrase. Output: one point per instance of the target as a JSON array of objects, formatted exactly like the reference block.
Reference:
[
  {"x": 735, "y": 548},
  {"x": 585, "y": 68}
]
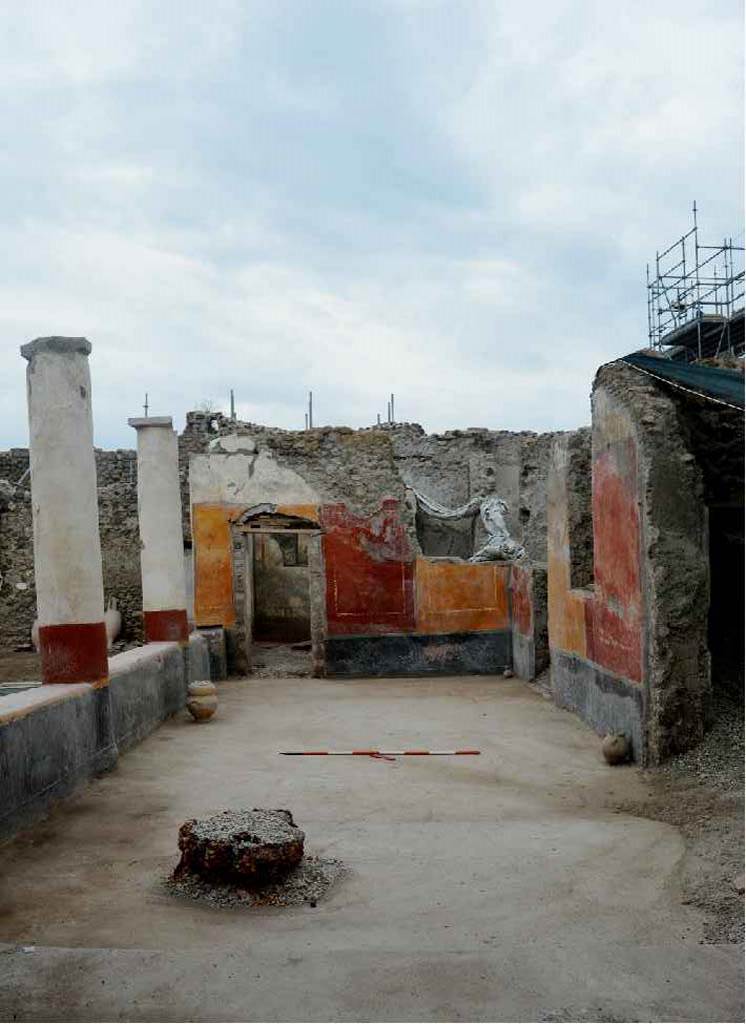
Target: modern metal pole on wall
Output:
[
  {"x": 310, "y": 409},
  {"x": 650, "y": 322},
  {"x": 696, "y": 273}
]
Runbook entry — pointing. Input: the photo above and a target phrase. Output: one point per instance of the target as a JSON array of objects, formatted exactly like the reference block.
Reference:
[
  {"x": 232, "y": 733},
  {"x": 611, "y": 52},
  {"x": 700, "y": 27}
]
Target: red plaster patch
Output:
[
  {"x": 523, "y": 618},
  {"x": 74, "y": 653},
  {"x": 166, "y": 625}
]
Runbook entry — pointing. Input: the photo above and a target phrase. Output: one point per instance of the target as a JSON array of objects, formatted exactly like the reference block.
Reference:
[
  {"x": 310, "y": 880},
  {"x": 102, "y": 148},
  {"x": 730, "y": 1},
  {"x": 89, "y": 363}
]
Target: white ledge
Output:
[
  {"x": 136, "y": 656},
  {"x": 18, "y": 705}
]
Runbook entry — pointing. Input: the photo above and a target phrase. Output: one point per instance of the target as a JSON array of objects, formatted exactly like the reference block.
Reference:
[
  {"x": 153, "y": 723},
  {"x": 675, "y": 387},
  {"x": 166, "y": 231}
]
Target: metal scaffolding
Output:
[{"x": 696, "y": 297}]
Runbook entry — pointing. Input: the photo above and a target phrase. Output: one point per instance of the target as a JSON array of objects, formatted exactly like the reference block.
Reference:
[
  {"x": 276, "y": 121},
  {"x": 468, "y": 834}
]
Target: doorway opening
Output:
[
  {"x": 282, "y": 613},
  {"x": 282, "y": 605}
]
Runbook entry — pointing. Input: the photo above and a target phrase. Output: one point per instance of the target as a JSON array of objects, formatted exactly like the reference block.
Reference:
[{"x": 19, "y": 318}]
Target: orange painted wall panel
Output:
[
  {"x": 213, "y": 565},
  {"x": 461, "y": 597}
]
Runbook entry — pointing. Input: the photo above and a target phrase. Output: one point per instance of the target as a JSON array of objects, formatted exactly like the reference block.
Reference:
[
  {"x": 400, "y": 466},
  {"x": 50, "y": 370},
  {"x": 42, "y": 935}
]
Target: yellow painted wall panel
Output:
[{"x": 213, "y": 565}]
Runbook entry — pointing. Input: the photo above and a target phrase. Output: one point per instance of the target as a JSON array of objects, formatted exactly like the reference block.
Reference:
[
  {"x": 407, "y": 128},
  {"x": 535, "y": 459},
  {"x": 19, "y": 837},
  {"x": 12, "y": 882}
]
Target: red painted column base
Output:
[
  {"x": 166, "y": 625},
  {"x": 74, "y": 653}
]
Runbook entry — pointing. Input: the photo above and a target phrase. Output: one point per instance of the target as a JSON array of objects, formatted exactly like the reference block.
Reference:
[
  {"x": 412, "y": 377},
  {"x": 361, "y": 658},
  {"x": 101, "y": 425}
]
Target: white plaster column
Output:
[
  {"x": 64, "y": 499},
  {"x": 161, "y": 540}
]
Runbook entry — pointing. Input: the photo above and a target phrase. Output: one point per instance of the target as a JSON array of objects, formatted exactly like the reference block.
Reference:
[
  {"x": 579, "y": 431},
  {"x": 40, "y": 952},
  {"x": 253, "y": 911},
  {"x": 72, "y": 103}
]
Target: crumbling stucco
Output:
[{"x": 579, "y": 510}]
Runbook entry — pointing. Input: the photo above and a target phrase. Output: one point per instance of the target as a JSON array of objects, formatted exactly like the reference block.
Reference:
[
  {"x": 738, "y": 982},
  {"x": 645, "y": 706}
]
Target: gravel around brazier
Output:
[{"x": 306, "y": 884}]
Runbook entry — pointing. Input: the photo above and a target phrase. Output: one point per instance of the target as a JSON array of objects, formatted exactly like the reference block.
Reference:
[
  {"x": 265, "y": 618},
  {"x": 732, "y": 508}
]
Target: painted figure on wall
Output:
[{"x": 500, "y": 546}]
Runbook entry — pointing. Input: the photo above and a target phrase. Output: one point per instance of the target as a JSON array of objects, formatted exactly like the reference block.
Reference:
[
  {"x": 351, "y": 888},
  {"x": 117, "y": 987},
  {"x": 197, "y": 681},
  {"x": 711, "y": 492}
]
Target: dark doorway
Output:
[
  {"x": 726, "y": 618},
  {"x": 282, "y": 607}
]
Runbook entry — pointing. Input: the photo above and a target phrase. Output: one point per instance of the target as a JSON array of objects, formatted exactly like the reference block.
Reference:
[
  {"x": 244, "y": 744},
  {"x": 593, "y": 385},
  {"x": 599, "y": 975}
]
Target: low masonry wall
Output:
[
  {"x": 148, "y": 684},
  {"x": 53, "y": 738}
]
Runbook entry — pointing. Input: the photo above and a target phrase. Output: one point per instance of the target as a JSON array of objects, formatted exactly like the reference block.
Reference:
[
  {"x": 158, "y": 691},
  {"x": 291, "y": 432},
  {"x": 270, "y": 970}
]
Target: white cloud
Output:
[
  {"x": 451, "y": 201},
  {"x": 86, "y": 42}
]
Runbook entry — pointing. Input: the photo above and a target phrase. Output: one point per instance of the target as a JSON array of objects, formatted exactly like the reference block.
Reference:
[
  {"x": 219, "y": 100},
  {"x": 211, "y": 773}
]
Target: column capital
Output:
[
  {"x": 63, "y": 346},
  {"x": 138, "y": 422}
]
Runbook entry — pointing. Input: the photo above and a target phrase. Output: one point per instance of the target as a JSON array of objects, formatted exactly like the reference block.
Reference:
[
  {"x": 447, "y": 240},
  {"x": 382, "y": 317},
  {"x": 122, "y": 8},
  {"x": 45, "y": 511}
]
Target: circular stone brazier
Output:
[{"x": 249, "y": 848}]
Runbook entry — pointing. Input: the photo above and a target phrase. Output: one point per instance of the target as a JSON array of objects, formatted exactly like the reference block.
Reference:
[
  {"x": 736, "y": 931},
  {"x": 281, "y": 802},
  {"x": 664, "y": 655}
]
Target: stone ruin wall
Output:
[
  {"x": 579, "y": 512},
  {"x": 120, "y": 542},
  {"x": 357, "y": 467},
  {"x": 17, "y": 591}
]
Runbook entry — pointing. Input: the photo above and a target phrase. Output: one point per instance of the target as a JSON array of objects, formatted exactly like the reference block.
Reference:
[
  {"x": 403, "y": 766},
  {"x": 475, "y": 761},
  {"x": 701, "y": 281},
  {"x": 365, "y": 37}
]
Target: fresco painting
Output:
[
  {"x": 461, "y": 597},
  {"x": 213, "y": 565},
  {"x": 369, "y": 571},
  {"x": 602, "y": 624},
  {"x": 375, "y": 584}
]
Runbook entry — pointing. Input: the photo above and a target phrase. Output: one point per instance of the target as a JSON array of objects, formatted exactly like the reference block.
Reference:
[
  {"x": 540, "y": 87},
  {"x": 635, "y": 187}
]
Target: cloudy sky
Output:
[{"x": 453, "y": 200}]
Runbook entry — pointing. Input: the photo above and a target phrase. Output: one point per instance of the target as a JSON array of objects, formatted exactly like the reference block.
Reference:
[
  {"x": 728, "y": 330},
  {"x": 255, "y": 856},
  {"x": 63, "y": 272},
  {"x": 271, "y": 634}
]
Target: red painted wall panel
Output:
[
  {"x": 614, "y": 627},
  {"x": 369, "y": 571}
]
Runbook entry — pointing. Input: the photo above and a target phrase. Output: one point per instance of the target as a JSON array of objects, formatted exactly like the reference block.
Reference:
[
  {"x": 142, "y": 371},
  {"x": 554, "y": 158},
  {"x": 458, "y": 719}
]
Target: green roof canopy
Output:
[{"x": 724, "y": 386}]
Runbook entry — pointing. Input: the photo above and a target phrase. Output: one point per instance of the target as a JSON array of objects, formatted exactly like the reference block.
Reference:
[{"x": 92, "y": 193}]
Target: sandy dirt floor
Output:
[
  {"x": 530, "y": 883},
  {"x": 702, "y": 794}
]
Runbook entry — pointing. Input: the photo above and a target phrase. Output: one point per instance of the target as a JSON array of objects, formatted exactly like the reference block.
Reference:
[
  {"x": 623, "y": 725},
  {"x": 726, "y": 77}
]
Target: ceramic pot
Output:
[
  {"x": 202, "y": 700},
  {"x": 616, "y": 748}
]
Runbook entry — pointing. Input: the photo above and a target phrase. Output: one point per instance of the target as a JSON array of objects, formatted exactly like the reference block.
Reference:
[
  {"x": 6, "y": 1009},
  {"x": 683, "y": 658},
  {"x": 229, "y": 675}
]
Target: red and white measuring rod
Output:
[{"x": 376, "y": 753}]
